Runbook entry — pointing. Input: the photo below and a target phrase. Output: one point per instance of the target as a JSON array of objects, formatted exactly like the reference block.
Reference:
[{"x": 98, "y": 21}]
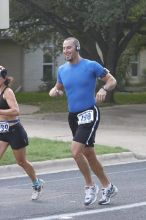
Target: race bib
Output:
[
  {"x": 85, "y": 117},
  {"x": 4, "y": 127}
]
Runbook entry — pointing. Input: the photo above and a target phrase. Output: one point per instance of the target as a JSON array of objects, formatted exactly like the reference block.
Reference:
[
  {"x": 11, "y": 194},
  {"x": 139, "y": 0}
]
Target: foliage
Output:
[
  {"x": 104, "y": 28},
  {"x": 135, "y": 45},
  {"x": 111, "y": 24}
]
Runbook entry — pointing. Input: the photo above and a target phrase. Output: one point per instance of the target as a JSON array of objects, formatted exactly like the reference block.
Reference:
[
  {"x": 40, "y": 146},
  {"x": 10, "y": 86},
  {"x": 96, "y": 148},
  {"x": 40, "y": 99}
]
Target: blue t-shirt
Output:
[{"x": 79, "y": 81}]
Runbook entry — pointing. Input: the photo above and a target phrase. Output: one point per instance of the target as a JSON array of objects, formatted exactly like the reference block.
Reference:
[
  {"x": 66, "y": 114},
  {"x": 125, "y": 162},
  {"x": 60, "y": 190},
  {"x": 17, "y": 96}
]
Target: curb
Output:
[
  {"x": 54, "y": 166},
  {"x": 139, "y": 156}
]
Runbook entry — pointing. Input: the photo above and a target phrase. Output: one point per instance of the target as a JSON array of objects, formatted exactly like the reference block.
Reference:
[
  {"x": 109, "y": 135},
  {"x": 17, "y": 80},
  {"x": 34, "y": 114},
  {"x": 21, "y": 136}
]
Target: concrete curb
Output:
[
  {"x": 53, "y": 166},
  {"x": 139, "y": 156}
]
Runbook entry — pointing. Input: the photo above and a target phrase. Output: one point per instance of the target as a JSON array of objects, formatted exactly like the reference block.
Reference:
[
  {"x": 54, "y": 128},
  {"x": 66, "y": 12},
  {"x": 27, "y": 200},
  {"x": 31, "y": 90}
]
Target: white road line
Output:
[{"x": 90, "y": 212}]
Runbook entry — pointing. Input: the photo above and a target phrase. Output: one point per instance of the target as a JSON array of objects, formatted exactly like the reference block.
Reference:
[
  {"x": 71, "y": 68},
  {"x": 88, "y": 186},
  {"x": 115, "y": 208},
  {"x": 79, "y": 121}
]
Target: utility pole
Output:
[{"x": 4, "y": 14}]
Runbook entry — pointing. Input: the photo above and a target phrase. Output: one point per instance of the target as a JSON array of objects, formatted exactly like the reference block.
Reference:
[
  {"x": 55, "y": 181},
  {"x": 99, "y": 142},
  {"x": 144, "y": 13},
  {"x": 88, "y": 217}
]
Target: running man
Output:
[{"x": 78, "y": 78}]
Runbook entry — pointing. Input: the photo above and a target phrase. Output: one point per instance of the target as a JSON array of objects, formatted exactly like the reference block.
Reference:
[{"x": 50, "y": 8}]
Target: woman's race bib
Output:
[
  {"x": 4, "y": 127},
  {"x": 85, "y": 117}
]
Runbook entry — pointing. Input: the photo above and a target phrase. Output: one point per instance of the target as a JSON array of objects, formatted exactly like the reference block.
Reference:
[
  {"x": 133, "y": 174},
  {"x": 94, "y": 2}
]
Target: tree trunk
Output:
[{"x": 111, "y": 63}]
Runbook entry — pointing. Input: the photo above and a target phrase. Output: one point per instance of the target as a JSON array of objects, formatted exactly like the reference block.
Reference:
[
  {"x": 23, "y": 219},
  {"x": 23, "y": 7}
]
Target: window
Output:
[
  {"x": 134, "y": 65},
  {"x": 48, "y": 64}
]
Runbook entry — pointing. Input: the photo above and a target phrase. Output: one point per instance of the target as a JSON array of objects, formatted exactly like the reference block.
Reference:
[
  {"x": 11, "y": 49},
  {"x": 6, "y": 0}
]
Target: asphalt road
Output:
[{"x": 64, "y": 193}]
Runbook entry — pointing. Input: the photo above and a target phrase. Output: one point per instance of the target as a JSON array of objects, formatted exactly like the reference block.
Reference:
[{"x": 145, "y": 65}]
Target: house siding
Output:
[
  {"x": 33, "y": 70},
  {"x": 142, "y": 64},
  {"x": 27, "y": 66},
  {"x": 11, "y": 56}
]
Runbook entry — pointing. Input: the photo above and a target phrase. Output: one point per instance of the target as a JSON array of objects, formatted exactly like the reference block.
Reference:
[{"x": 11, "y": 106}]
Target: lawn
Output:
[
  {"x": 43, "y": 149},
  {"x": 59, "y": 104}
]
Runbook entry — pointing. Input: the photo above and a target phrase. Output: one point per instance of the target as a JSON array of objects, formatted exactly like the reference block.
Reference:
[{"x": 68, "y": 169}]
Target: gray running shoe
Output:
[
  {"x": 107, "y": 194},
  {"x": 90, "y": 194},
  {"x": 37, "y": 189}
]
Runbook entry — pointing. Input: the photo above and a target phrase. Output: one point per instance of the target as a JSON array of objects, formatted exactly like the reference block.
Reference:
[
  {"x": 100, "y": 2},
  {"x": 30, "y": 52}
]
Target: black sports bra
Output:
[{"x": 3, "y": 102}]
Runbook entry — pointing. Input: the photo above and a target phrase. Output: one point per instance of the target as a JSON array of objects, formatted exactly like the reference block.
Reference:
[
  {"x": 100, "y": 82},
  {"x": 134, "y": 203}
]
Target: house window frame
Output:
[
  {"x": 135, "y": 61},
  {"x": 49, "y": 64}
]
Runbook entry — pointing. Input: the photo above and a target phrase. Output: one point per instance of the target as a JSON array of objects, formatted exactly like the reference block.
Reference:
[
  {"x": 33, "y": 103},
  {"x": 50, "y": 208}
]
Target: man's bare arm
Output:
[{"x": 110, "y": 84}]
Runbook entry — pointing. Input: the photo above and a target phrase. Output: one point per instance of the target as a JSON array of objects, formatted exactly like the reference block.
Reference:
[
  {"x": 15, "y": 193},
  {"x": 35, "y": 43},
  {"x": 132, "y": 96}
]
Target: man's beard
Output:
[{"x": 68, "y": 58}]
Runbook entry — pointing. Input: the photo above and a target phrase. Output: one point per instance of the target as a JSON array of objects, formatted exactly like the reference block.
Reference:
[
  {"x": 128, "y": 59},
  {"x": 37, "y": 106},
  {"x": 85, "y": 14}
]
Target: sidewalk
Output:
[{"x": 123, "y": 126}]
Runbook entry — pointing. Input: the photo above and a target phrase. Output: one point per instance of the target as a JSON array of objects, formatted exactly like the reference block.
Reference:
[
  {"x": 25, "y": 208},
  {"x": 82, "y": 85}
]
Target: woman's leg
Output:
[
  {"x": 20, "y": 156},
  {"x": 3, "y": 148}
]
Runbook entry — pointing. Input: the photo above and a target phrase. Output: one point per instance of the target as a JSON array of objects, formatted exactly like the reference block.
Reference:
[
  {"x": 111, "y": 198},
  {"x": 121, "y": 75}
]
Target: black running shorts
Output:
[
  {"x": 84, "y": 125},
  {"x": 16, "y": 136}
]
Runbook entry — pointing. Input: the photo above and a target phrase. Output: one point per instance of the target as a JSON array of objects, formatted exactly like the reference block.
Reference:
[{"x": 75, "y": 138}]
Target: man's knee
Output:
[
  {"x": 89, "y": 152},
  {"x": 76, "y": 150}
]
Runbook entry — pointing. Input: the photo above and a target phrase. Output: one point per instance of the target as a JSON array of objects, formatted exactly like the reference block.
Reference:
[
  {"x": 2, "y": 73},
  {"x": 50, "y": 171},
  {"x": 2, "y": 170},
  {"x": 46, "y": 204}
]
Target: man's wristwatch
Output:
[{"x": 103, "y": 87}]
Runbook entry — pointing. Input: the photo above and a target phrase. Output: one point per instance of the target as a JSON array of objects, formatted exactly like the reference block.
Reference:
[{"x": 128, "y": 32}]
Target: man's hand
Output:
[
  {"x": 55, "y": 92},
  {"x": 100, "y": 96}
]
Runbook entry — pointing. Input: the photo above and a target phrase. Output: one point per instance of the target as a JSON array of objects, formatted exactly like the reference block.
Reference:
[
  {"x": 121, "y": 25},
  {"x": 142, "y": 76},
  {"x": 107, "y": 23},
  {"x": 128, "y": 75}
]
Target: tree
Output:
[{"x": 104, "y": 28}]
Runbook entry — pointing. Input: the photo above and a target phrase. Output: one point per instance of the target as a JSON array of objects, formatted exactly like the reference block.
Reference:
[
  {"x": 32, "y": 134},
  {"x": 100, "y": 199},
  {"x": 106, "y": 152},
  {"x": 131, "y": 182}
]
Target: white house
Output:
[
  {"x": 31, "y": 68},
  {"x": 137, "y": 68}
]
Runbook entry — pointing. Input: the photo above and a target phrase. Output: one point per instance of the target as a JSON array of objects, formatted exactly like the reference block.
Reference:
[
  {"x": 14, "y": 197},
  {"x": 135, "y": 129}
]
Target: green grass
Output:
[
  {"x": 43, "y": 100},
  {"x": 43, "y": 149},
  {"x": 130, "y": 98},
  {"x": 59, "y": 104}
]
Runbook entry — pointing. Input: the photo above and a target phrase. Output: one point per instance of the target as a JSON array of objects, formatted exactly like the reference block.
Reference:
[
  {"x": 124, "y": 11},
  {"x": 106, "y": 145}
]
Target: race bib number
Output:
[
  {"x": 4, "y": 127},
  {"x": 85, "y": 117}
]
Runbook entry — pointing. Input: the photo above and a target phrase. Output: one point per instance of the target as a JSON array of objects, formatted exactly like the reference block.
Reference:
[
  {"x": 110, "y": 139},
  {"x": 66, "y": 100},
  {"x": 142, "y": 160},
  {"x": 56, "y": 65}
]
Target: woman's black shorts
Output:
[
  {"x": 16, "y": 136},
  {"x": 84, "y": 125}
]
